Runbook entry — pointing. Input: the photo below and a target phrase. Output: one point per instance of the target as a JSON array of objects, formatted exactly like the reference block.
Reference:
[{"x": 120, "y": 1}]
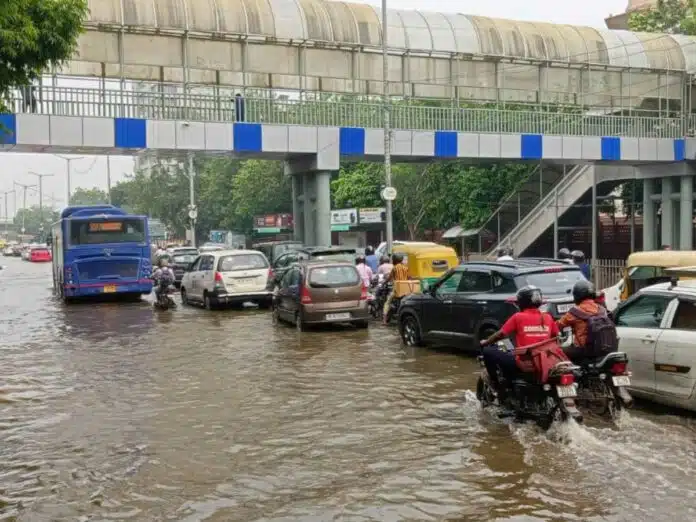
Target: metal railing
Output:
[{"x": 74, "y": 101}]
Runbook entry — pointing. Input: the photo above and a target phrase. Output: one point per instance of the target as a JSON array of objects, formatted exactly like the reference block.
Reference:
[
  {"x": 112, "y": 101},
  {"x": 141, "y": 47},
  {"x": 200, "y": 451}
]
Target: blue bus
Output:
[{"x": 98, "y": 250}]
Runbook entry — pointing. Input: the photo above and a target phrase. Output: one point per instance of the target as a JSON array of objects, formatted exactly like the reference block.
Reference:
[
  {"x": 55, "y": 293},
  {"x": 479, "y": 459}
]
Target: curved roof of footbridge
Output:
[{"x": 418, "y": 31}]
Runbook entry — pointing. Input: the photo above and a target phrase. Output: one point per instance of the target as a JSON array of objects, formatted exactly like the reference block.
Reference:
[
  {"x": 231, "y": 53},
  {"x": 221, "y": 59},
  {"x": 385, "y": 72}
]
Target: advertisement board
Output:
[
  {"x": 273, "y": 222},
  {"x": 344, "y": 216},
  {"x": 372, "y": 215}
]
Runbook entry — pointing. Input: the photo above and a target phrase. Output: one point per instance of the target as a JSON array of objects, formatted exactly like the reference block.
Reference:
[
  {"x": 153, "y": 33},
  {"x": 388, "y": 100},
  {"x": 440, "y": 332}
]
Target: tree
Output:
[
  {"x": 668, "y": 16},
  {"x": 36, "y": 35},
  {"x": 30, "y": 218},
  {"x": 358, "y": 185},
  {"x": 92, "y": 196}
]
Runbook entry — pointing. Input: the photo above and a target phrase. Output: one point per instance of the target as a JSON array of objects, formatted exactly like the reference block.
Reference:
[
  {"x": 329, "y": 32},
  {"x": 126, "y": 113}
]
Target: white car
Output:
[
  {"x": 225, "y": 277},
  {"x": 657, "y": 329}
]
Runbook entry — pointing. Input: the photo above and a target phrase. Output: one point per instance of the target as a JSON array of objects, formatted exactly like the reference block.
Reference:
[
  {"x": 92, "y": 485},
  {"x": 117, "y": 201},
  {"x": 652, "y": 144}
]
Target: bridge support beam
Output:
[
  {"x": 649, "y": 213},
  {"x": 686, "y": 217},
  {"x": 311, "y": 207}
]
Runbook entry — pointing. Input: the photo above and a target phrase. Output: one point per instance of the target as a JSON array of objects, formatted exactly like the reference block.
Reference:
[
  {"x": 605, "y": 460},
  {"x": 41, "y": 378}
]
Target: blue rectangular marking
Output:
[
  {"x": 532, "y": 146},
  {"x": 679, "y": 149},
  {"x": 8, "y": 129},
  {"x": 247, "y": 137},
  {"x": 446, "y": 144},
  {"x": 351, "y": 141},
  {"x": 130, "y": 133},
  {"x": 611, "y": 148}
]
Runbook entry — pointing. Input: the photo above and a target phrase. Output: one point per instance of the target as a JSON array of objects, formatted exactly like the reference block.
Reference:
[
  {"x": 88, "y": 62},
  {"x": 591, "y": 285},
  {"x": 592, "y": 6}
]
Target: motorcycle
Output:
[
  {"x": 603, "y": 385},
  {"x": 164, "y": 287},
  {"x": 526, "y": 399}
]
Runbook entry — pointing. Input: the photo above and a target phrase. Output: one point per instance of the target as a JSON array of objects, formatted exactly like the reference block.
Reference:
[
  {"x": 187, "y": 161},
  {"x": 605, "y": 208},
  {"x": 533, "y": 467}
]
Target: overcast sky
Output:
[{"x": 91, "y": 170}]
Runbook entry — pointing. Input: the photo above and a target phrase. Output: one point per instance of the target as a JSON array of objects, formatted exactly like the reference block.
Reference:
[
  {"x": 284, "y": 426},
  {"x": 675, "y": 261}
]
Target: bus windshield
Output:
[{"x": 113, "y": 230}]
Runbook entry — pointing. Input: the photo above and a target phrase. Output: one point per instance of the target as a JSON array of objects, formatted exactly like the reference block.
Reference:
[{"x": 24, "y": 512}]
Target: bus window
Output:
[{"x": 122, "y": 230}]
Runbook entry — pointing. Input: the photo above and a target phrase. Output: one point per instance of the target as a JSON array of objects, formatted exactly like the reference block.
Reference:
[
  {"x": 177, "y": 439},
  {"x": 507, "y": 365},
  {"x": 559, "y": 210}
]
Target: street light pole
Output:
[
  {"x": 24, "y": 203},
  {"x": 6, "y": 193},
  {"x": 387, "y": 126},
  {"x": 108, "y": 178},
  {"x": 41, "y": 212},
  {"x": 67, "y": 175},
  {"x": 193, "y": 213}
]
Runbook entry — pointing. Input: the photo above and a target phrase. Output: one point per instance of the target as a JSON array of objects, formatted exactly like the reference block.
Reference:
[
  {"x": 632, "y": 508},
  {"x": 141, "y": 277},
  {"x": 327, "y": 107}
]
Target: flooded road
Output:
[{"x": 118, "y": 412}]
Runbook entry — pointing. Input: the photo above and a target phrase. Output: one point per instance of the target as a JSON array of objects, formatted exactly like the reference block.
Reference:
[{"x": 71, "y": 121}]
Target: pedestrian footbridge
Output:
[{"x": 301, "y": 80}]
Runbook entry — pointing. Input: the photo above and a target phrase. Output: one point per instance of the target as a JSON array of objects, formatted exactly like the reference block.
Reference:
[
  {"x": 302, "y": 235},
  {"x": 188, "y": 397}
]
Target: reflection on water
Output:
[{"x": 118, "y": 411}]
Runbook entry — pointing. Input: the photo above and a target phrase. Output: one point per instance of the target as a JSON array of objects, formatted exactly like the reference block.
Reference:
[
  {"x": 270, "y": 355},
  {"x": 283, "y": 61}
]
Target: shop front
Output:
[
  {"x": 273, "y": 227},
  {"x": 358, "y": 227}
]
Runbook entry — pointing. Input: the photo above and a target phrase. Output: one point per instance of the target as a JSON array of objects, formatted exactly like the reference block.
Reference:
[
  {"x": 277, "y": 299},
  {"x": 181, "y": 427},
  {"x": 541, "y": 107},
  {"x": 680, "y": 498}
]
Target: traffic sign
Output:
[
  {"x": 193, "y": 214},
  {"x": 389, "y": 193}
]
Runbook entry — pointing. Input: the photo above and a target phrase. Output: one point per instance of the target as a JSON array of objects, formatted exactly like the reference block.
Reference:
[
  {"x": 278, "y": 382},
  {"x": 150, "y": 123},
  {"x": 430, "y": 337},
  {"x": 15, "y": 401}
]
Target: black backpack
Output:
[{"x": 601, "y": 332}]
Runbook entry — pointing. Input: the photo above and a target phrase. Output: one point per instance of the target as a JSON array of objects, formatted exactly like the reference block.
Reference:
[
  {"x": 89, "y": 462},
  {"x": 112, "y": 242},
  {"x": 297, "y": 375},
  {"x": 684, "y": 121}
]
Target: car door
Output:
[
  {"x": 470, "y": 301},
  {"x": 189, "y": 279},
  {"x": 675, "y": 355},
  {"x": 205, "y": 275},
  {"x": 639, "y": 324},
  {"x": 281, "y": 295},
  {"x": 281, "y": 265},
  {"x": 293, "y": 291},
  {"x": 436, "y": 316}
]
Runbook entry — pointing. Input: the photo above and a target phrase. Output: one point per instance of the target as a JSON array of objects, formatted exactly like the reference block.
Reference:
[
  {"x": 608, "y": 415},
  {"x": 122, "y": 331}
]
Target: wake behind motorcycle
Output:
[
  {"x": 525, "y": 398},
  {"x": 163, "y": 289}
]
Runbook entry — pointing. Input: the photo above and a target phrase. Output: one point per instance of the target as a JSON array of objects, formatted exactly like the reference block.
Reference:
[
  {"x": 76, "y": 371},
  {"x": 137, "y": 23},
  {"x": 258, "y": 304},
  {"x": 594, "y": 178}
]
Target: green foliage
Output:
[
  {"x": 358, "y": 185},
  {"x": 93, "y": 196},
  {"x": 36, "y": 35},
  {"x": 668, "y": 16},
  {"x": 31, "y": 218}
]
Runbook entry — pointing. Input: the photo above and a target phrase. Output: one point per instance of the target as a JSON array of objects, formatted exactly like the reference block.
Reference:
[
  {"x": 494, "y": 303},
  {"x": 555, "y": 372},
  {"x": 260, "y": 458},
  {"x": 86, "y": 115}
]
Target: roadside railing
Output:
[
  {"x": 78, "y": 101},
  {"x": 607, "y": 272}
]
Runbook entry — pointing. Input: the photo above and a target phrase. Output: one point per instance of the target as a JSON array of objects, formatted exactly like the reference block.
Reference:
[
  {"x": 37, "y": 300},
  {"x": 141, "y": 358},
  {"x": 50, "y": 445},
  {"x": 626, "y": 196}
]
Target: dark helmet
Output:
[
  {"x": 384, "y": 260},
  {"x": 360, "y": 259},
  {"x": 583, "y": 290},
  {"x": 529, "y": 297},
  {"x": 369, "y": 251},
  {"x": 504, "y": 252},
  {"x": 564, "y": 253},
  {"x": 578, "y": 256},
  {"x": 397, "y": 258}
]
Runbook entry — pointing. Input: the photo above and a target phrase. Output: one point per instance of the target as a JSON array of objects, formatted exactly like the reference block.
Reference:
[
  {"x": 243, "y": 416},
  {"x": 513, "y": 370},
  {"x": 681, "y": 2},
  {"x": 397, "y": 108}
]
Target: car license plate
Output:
[
  {"x": 338, "y": 317},
  {"x": 109, "y": 289},
  {"x": 563, "y": 308},
  {"x": 621, "y": 380},
  {"x": 565, "y": 392}
]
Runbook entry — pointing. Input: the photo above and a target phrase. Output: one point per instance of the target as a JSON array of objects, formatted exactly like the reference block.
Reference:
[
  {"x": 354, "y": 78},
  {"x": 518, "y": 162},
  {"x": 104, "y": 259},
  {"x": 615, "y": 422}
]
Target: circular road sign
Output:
[
  {"x": 193, "y": 214},
  {"x": 389, "y": 193}
]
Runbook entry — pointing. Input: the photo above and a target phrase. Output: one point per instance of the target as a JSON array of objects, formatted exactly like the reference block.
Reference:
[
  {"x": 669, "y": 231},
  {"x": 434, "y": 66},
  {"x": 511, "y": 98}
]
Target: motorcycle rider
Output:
[
  {"x": 162, "y": 274},
  {"x": 399, "y": 272},
  {"x": 564, "y": 255},
  {"x": 364, "y": 271},
  {"x": 579, "y": 259},
  {"x": 504, "y": 254},
  {"x": 529, "y": 326},
  {"x": 577, "y": 319},
  {"x": 385, "y": 266},
  {"x": 371, "y": 259}
]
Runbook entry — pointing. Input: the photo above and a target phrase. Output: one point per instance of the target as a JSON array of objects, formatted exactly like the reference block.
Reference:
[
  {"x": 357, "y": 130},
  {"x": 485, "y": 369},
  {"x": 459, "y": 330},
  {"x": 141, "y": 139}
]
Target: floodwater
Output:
[{"x": 118, "y": 412}]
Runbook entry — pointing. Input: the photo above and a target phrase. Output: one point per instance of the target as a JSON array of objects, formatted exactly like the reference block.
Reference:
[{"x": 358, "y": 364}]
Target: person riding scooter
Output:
[
  {"x": 529, "y": 326},
  {"x": 163, "y": 276}
]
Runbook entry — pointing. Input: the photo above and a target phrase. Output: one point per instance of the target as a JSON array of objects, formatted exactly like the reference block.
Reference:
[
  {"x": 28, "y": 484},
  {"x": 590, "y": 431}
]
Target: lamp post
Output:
[
  {"x": 24, "y": 203},
  {"x": 6, "y": 193},
  {"x": 67, "y": 175},
  {"x": 388, "y": 193},
  {"x": 41, "y": 177}
]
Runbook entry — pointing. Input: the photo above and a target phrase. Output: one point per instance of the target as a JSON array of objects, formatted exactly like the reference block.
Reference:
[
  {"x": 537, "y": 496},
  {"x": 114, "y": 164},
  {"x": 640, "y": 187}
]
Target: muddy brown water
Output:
[{"x": 119, "y": 412}]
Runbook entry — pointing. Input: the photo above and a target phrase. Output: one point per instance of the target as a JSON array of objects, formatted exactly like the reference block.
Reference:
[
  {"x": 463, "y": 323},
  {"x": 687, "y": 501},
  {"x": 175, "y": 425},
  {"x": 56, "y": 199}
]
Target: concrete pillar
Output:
[
  {"x": 322, "y": 223},
  {"x": 310, "y": 238},
  {"x": 686, "y": 208},
  {"x": 297, "y": 208},
  {"x": 649, "y": 213},
  {"x": 667, "y": 216}
]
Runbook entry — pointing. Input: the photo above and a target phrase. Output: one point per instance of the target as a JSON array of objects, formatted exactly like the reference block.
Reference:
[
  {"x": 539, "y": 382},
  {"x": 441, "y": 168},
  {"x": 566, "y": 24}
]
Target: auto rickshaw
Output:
[
  {"x": 645, "y": 269},
  {"x": 426, "y": 264}
]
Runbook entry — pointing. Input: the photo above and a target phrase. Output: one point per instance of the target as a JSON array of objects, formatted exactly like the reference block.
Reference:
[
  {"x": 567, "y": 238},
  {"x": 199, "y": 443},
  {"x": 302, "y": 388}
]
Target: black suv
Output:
[{"x": 473, "y": 300}]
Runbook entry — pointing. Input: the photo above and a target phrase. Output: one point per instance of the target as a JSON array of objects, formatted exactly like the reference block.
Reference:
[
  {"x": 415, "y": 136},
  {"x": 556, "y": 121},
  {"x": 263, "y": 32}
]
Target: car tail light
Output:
[
  {"x": 618, "y": 368},
  {"x": 566, "y": 379},
  {"x": 270, "y": 274},
  {"x": 219, "y": 282},
  {"x": 553, "y": 269},
  {"x": 363, "y": 293},
  {"x": 305, "y": 298}
]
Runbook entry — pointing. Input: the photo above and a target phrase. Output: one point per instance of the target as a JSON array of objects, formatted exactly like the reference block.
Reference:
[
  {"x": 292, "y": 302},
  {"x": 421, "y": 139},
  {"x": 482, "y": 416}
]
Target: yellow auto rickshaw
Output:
[
  {"x": 648, "y": 268},
  {"x": 426, "y": 264}
]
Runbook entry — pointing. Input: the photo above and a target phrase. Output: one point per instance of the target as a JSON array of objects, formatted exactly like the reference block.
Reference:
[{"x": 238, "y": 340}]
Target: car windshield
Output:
[
  {"x": 552, "y": 282},
  {"x": 182, "y": 259},
  {"x": 286, "y": 247},
  {"x": 185, "y": 251},
  {"x": 333, "y": 277},
  {"x": 335, "y": 256},
  {"x": 242, "y": 262}
]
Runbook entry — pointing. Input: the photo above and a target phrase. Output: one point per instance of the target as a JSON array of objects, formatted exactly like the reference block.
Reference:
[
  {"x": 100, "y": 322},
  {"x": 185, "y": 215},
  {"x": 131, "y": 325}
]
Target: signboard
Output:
[
  {"x": 343, "y": 217},
  {"x": 372, "y": 215},
  {"x": 106, "y": 226},
  {"x": 276, "y": 222},
  {"x": 157, "y": 229},
  {"x": 217, "y": 236}
]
